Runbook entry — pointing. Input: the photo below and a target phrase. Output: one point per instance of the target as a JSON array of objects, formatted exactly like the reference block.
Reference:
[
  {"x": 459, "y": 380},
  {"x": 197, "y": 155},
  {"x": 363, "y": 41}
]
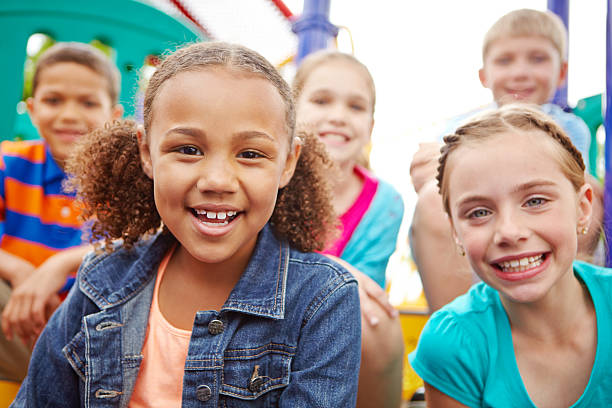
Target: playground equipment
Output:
[{"x": 134, "y": 33}]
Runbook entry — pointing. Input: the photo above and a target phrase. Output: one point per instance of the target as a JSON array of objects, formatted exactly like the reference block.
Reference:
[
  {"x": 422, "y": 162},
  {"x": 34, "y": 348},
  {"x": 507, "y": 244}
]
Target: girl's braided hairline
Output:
[{"x": 523, "y": 117}]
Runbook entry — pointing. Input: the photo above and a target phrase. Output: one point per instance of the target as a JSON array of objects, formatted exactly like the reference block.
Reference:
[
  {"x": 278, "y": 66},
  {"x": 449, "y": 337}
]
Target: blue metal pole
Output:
[
  {"x": 561, "y": 8},
  {"x": 608, "y": 146},
  {"x": 313, "y": 28}
]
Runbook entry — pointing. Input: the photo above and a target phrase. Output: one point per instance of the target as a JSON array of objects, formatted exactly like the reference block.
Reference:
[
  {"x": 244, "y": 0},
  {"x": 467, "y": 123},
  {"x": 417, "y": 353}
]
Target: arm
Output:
[
  {"x": 382, "y": 345},
  {"x": 324, "y": 371},
  {"x": 34, "y": 299},
  {"x": 437, "y": 399},
  {"x": 424, "y": 165},
  {"x": 49, "y": 365},
  {"x": 14, "y": 269},
  {"x": 444, "y": 272}
]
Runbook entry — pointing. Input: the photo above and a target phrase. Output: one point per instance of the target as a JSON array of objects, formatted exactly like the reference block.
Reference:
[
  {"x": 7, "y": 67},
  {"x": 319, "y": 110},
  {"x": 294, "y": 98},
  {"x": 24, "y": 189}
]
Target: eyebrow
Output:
[
  {"x": 253, "y": 134},
  {"x": 188, "y": 131},
  {"x": 533, "y": 184},
  {"x": 327, "y": 90},
  {"x": 517, "y": 189},
  {"x": 195, "y": 132}
]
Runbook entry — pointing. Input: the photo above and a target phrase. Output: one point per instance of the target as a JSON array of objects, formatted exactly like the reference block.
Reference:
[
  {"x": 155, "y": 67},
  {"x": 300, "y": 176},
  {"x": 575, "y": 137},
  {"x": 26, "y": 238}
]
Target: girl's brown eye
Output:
[{"x": 189, "y": 150}]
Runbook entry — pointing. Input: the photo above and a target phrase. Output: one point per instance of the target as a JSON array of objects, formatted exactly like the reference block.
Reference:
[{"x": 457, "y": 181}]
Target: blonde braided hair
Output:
[{"x": 522, "y": 117}]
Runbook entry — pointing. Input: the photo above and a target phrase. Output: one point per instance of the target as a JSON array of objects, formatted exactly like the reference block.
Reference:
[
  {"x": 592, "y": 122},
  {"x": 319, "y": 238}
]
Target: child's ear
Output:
[
  {"x": 117, "y": 112},
  {"x": 31, "y": 110},
  {"x": 482, "y": 75},
  {"x": 562, "y": 74},
  {"x": 292, "y": 159},
  {"x": 145, "y": 152},
  {"x": 585, "y": 206}
]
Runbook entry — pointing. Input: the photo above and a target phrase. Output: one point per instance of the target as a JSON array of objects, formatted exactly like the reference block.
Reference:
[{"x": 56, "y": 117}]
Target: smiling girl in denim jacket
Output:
[{"x": 213, "y": 296}]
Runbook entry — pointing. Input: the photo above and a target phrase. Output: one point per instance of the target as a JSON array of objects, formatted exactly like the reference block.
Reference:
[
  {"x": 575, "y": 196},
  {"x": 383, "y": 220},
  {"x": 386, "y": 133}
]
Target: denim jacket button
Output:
[
  {"x": 255, "y": 384},
  {"x": 215, "y": 327},
  {"x": 203, "y": 393}
]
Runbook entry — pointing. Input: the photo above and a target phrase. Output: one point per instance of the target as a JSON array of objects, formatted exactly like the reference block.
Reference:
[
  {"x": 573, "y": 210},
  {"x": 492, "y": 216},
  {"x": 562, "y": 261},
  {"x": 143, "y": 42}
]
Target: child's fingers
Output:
[
  {"x": 7, "y": 329},
  {"x": 377, "y": 295},
  {"x": 38, "y": 314},
  {"x": 368, "y": 309}
]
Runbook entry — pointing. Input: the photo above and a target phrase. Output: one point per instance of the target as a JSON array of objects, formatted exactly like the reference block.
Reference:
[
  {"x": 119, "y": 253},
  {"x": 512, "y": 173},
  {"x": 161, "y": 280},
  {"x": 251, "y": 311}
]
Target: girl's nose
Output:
[
  {"x": 217, "y": 175},
  {"x": 337, "y": 114},
  {"x": 509, "y": 229}
]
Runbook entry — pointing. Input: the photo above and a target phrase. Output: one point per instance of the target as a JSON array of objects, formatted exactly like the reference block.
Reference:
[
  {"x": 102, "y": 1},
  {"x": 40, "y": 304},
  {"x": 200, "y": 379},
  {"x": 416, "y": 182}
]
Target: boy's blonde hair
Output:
[{"x": 531, "y": 23}]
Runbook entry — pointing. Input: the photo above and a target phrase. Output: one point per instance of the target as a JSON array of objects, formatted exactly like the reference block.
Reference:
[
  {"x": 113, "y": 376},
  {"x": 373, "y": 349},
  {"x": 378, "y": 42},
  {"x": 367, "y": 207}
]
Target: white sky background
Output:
[{"x": 424, "y": 57}]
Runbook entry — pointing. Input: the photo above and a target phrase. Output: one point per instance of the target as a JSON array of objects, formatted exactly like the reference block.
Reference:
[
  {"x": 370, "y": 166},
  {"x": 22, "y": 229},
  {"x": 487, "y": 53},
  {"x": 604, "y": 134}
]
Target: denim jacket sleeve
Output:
[
  {"x": 51, "y": 380},
  {"x": 325, "y": 372}
]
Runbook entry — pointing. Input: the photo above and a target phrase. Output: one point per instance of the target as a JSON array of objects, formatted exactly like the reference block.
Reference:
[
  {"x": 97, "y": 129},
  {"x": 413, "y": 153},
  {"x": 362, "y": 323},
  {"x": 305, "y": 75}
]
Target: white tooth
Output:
[
  {"x": 221, "y": 215},
  {"x": 231, "y": 213},
  {"x": 524, "y": 262},
  {"x": 211, "y": 215},
  {"x": 514, "y": 263},
  {"x": 200, "y": 212}
]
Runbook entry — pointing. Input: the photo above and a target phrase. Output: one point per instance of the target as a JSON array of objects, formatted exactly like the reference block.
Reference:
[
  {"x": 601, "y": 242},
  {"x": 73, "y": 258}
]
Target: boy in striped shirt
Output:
[{"x": 75, "y": 90}]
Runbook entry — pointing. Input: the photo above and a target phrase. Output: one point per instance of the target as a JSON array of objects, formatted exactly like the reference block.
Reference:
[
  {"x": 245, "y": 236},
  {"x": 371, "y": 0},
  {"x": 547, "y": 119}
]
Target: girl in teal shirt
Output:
[{"x": 536, "y": 331}]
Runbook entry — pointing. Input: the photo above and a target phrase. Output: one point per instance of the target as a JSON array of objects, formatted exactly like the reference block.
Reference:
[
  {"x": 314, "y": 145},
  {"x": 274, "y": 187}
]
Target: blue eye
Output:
[
  {"x": 535, "y": 202},
  {"x": 189, "y": 150},
  {"x": 479, "y": 213}
]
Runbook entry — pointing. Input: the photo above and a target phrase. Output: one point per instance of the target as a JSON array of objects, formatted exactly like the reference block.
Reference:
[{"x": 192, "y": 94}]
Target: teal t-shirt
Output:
[{"x": 466, "y": 350}]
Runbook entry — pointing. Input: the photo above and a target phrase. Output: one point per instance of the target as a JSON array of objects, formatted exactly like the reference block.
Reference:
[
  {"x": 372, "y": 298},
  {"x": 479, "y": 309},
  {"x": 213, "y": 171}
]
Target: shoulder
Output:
[
  {"x": 386, "y": 197},
  {"x": 312, "y": 264},
  {"x": 571, "y": 123},
  {"x": 111, "y": 277},
  {"x": 314, "y": 278},
  {"x": 387, "y": 193},
  {"x": 471, "y": 313},
  {"x": 31, "y": 150},
  {"x": 462, "y": 325}
]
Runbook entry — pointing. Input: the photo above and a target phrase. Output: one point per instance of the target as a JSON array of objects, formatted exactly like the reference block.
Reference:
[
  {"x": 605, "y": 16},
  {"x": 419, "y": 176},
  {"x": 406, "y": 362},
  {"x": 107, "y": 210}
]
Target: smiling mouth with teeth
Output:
[
  {"x": 522, "y": 264},
  {"x": 215, "y": 218}
]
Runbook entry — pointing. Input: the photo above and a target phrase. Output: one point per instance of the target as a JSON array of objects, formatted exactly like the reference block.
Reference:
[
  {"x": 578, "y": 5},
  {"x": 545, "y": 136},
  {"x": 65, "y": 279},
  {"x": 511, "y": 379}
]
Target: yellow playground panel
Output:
[
  {"x": 406, "y": 295},
  {"x": 8, "y": 392}
]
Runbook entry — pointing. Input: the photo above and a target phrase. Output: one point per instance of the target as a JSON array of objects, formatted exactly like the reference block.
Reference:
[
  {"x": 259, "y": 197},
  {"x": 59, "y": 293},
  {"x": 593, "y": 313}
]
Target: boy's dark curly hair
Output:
[{"x": 117, "y": 195}]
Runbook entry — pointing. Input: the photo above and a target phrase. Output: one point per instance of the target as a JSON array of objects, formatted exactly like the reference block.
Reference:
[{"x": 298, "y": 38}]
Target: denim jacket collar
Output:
[{"x": 108, "y": 285}]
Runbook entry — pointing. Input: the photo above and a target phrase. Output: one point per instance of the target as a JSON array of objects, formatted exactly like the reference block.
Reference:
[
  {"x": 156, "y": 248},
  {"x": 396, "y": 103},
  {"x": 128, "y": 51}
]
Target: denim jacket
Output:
[{"x": 287, "y": 336}]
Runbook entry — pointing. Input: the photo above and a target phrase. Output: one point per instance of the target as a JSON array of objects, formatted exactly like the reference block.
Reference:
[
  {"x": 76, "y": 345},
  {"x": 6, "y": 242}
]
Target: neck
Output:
[
  {"x": 556, "y": 316},
  {"x": 346, "y": 188}
]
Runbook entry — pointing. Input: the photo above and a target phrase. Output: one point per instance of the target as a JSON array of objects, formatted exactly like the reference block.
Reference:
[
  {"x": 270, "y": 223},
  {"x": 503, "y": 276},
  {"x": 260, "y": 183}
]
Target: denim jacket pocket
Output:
[
  {"x": 255, "y": 375},
  {"x": 75, "y": 354}
]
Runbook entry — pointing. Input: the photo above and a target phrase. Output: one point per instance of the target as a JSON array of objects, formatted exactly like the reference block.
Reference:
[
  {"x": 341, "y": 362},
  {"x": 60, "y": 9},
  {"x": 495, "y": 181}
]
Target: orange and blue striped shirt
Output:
[{"x": 39, "y": 218}]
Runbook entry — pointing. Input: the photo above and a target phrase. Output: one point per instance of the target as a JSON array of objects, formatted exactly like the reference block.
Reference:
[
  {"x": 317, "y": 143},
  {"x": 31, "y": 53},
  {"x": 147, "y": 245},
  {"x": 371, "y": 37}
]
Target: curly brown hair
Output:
[{"x": 117, "y": 195}]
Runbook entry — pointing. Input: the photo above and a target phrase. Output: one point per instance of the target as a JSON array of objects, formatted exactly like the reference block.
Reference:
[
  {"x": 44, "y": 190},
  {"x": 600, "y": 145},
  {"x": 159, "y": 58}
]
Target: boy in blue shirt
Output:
[{"x": 75, "y": 90}]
